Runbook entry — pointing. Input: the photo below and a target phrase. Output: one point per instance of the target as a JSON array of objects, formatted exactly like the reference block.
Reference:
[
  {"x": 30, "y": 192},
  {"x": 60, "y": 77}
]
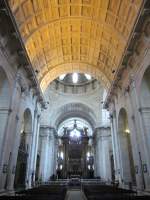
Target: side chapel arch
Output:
[
  {"x": 127, "y": 162},
  {"x": 23, "y": 151}
]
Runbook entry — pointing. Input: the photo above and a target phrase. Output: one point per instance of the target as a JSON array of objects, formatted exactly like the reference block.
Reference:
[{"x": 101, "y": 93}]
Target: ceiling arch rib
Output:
[
  {"x": 48, "y": 67},
  {"x": 75, "y": 31},
  {"x": 75, "y": 67},
  {"x": 74, "y": 110},
  {"x": 41, "y": 27},
  {"x": 87, "y": 51}
]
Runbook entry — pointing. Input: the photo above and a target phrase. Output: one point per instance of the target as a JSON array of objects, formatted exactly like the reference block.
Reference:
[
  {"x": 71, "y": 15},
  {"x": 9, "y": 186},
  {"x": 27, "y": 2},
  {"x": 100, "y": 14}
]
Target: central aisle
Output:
[{"x": 75, "y": 195}]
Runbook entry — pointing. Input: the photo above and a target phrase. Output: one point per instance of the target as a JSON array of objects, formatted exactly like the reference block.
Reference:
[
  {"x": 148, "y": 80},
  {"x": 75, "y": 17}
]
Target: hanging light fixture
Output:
[
  {"x": 89, "y": 167},
  {"x": 88, "y": 154},
  {"x": 127, "y": 131},
  {"x": 61, "y": 77},
  {"x": 88, "y": 77},
  {"x": 61, "y": 167},
  {"x": 75, "y": 77}
]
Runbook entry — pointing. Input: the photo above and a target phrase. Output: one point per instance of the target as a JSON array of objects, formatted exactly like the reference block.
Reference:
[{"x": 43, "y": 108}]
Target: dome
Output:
[{"x": 75, "y": 79}]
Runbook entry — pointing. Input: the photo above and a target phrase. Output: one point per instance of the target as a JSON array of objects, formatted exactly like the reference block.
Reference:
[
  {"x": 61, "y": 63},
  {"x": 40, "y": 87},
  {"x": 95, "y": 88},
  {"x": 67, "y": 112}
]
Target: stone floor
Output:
[{"x": 75, "y": 194}]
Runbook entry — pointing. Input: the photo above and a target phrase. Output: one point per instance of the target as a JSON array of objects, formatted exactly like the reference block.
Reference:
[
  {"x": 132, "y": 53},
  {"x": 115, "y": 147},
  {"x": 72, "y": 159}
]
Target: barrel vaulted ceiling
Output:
[{"x": 63, "y": 36}]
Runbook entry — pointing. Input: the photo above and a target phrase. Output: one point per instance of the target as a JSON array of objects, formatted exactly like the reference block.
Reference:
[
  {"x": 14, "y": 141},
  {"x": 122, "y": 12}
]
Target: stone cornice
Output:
[
  {"x": 144, "y": 109},
  {"x": 98, "y": 132},
  {"x": 129, "y": 51},
  {"x": 101, "y": 128},
  {"x": 21, "y": 53},
  {"x": 51, "y": 129}
]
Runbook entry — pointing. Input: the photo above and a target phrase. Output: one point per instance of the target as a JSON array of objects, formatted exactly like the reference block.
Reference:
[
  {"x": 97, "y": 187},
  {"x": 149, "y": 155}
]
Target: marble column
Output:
[
  {"x": 143, "y": 157},
  {"x": 84, "y": 156},
  {"x": 36, "y": 143},
  {"x": 55, "y": 154},
  {"x": 97, "y": 150},
  {"x": 116, "y": 145},
  {"x": 51, "y": 161},
  {"x": 65, "y": 160},
  {"x": 33, "y": 149},
  {"x": 7, "y": 152},
  {"x": 47, "y": 152},
  {"x": 103, "y": 147},
  {"x": 44, "y": 136}
]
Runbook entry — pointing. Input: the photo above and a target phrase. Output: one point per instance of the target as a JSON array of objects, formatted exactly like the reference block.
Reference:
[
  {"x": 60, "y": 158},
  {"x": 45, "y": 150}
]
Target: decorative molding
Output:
[
  {"x": 144, "y": 167},
  {"x": 13, "y": 169},
  {"x": 136, "y": 169},
  {"x": 129, "y": 51},
  {"x": 17, "y": 117},
  {"x": 51, "y": 131},
  {"x": 133, "y": 117},
  {"x": 13, "y": 34},
  {"x": 144, "y": 109},
  {"x": 5, "y": 168}
]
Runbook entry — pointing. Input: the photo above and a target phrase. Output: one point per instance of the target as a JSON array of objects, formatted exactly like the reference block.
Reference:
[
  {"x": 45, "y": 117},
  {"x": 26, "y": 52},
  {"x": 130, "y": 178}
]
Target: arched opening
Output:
[
  {"x": 75, "y": 150},
  {"x": 23, "y": 151},
  {"x": 79, "y": 110},
  {"x": 4, "y": 104},
  {"x": 37, "y": 167},
  {"x": 74, "y": 68},
  {"x": 145, "y": 104},
  {"x": 128, "y": 172},
  {"x": 112, "y": 166}
]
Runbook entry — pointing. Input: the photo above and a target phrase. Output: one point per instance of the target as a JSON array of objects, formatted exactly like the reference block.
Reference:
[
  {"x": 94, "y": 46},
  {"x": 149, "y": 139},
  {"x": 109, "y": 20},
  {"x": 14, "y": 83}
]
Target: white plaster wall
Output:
[
  {"x": 11, "y": 123},
  {"x": 128, "y": 96},
  {"x": 103, "y": 149},
  {"x": 47, "y": 153},
  {"x": 58, "y": 100}
]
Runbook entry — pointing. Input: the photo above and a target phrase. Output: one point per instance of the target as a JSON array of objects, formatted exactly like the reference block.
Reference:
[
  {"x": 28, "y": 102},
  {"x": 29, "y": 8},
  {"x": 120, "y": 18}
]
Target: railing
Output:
[
  {"x": 67, "y": 181},
  {"x": 56, "y": 182},
  {"x": 78, "y": 183}
]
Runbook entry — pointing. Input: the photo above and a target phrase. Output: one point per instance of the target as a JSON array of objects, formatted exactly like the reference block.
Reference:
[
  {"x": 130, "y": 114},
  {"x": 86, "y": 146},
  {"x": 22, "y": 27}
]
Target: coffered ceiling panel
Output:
[{"x": 83, "y": 35}]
